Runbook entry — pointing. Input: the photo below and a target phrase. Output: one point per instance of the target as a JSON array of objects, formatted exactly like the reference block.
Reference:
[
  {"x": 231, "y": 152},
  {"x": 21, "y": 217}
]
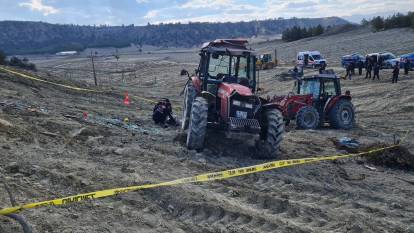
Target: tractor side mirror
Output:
[{"x": 184, "y": 72}]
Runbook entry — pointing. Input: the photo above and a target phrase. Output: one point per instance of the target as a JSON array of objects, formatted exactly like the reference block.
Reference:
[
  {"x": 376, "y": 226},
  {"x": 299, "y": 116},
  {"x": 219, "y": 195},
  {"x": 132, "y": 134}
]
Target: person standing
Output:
[
  {"x": 322, "y": 68},
  {"x": 396, "y": 72},
  {"x": 376, "y": 71},
  {"x": 406, "y": 66},
  {"x": 368, "y": 69},
  {"x": 360, "y": 65},
  {"x": 349, "y": 69}
]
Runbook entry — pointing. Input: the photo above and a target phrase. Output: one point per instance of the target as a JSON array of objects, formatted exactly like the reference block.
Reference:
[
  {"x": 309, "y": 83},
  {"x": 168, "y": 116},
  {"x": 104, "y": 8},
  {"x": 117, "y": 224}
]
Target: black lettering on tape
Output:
[
  {"x": 270, "y": 165},
  {"x": 44, "y": 204},
  {"x": 251, "y": 169},
  {"x": 78, "y": 198},
  {"x": 215, "y": 175}
]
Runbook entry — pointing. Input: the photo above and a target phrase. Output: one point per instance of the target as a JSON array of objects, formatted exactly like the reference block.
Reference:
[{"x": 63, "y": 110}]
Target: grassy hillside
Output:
[{"x": 362, "y": 40}]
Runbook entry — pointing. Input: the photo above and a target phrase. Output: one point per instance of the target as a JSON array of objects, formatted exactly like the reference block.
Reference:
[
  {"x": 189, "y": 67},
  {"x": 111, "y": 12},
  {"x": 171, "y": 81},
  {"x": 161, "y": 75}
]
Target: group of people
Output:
[{"x": 370, "y": 66}]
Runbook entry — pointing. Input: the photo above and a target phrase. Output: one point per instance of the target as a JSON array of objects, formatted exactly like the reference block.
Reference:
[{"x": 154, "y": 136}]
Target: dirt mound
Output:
[{"x": 398, "y": 157}]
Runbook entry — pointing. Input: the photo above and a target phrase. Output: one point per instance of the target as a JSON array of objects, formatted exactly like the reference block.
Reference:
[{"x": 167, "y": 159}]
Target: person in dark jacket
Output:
[
  {"x": 396, "y": 72},
  {"x": 376, "y": 71},
  {"x": 406, "y": 66},
  {"x": 360, "y": 66},
  {"x": 349, "y": 69},
  {"x": 368, "y": 69},
  {"x": 163, "y": 110},
  {"x": 322, "y": 68}
]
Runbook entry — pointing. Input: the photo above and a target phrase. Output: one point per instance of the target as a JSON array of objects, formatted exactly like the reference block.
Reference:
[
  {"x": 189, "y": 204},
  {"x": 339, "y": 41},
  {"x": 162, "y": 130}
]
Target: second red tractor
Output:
[{"x": 317, "y": 100}]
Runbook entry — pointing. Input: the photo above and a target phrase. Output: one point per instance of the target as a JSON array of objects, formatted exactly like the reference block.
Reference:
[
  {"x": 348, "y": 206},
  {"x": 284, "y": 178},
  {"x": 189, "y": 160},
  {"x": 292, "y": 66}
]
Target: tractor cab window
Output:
[
  {"x": 310, "y": 87},
  {"x": 329, "y": 88},
  {"x": 219, "y": 64},
  {"x": 239, "y": 69}
]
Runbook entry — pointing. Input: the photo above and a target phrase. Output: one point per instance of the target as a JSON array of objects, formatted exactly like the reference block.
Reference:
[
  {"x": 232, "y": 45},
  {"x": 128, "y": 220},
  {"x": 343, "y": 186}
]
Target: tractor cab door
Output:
[{"x": 329, "y": 89}]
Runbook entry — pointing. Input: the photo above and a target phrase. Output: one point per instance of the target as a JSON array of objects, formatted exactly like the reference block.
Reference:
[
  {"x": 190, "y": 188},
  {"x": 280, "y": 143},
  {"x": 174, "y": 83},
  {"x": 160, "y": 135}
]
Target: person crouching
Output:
[{"x": 163, "y": 110}]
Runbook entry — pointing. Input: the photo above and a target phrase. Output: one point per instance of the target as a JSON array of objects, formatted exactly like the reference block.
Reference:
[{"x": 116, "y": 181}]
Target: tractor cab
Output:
[
  {"x": 226, "y": 61},
  {"x": 321, "y": 87}
]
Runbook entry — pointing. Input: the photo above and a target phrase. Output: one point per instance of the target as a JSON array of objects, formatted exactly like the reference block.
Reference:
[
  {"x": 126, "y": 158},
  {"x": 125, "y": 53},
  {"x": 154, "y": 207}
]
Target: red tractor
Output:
[
  {"x": 222, "y": 95},
  {"x": 318, "y": 99}
]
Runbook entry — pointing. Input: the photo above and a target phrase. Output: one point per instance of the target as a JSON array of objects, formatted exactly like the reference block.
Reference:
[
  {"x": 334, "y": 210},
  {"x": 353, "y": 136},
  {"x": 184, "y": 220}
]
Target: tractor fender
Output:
[
  {"x": 196, "y": 83},
  {"x": 333, "y": 100},
  {"x": 268, "y": 106}
]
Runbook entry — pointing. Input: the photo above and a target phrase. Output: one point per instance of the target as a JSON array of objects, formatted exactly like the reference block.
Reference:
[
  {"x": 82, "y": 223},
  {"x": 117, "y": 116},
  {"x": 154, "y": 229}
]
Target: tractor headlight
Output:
[{"x": 236, "y": 102}]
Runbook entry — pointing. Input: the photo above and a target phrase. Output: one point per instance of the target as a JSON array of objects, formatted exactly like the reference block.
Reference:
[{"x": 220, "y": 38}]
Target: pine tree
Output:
[
  {"x": 2, "y": 58},
  {"x": 378, "y": 23}
]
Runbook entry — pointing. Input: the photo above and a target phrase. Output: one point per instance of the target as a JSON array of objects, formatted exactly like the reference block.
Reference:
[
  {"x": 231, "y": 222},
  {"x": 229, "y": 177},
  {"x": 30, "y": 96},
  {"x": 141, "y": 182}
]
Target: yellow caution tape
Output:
[
  {"x": 199, "y": 178},
  {"x": 72, "y": 87},
  {"x": 49, "y": 82}
]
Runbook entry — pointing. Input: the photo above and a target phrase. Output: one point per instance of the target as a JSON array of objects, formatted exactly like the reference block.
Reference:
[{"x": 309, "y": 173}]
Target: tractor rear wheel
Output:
[
  {"x": 307, "y": 118},
  {"x": 342, "y": 115},
  {"x": 189, "y": 95},
  {"x": 271, "y": 135},
  {"x": 198, "y": 124}
]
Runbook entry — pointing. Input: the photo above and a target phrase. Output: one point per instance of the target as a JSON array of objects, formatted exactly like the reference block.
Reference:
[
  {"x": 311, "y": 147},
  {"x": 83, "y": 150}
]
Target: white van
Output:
[{"x": 310, "y": 59}]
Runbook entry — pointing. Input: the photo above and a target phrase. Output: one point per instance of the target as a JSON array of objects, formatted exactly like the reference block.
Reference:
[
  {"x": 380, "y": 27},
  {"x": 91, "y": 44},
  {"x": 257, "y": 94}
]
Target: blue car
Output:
[
  {"x": 355, "y": 58},
  {"x": 407, "y": 58}
]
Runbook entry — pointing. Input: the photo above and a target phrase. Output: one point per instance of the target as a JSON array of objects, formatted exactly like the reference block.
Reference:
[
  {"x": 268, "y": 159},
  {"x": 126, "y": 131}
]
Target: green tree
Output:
[
  {"x": 377, "y": 23},
  {"x": 364, "y": 22},
  {"x": 2, "y": 58}
]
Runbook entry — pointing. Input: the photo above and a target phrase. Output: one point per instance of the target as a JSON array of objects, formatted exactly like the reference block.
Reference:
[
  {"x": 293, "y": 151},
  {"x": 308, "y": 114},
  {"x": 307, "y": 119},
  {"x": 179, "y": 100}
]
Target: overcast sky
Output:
[{"x": 140, "y": 12}]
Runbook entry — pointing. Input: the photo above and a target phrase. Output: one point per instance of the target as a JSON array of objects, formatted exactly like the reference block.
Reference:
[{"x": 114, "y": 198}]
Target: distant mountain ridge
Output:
[{"x": 24, "y": 37}]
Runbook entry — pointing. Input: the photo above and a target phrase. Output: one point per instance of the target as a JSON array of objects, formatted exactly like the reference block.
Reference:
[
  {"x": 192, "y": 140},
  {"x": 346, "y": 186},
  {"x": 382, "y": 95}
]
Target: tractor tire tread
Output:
[
  {"x": 300, "y": 121},
  {"x": 198, "y": 124},
  {"x": 189, "y": 95},
  {"x": 334, "y": 115},
  {"x": 273, "y": 135}
]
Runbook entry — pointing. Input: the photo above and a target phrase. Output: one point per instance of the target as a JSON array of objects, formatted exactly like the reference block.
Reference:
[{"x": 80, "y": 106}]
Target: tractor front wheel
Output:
[
  {"x": 198, "y": 124},
  {"x": 307, "y": 118},
  {"x": 271, "y": 135},
  {"x": 342, "y": 115},
  {"x": 189, "y": 95}
]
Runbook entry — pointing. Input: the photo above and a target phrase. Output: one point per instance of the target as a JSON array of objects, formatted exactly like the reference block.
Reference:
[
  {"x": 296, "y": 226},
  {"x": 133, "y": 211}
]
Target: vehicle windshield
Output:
[
  {"x": 388, "y": 56},
  {"x": 235, "y": 66},
  {"x": 308, "y": 87},
  {"x": 317, "y": 57}
]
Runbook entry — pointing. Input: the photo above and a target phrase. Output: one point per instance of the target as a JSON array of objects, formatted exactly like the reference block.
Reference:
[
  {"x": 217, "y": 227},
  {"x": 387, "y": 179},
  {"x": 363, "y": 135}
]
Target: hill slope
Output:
[
  {"x": 37, "y": 37},
  {"x": 362, "y": 40}
]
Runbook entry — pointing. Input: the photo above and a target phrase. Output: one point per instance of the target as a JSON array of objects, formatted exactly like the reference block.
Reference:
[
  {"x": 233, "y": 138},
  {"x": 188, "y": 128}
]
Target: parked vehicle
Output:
[
  {"x": 383, "y": 58},
  {"x": 355, "y": 58},
  {"x": 266, "y": 61},
  {"x": 312, "y": 59},
  {"x": 316, "y": 100},
  {"x": 221, "y": 95},
  {"x": 389, "y": 64}
]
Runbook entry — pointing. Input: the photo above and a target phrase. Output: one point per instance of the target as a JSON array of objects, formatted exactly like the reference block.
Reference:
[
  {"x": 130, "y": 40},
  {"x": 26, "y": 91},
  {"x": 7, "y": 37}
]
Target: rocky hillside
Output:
[{"x": 17, "y": 37}]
